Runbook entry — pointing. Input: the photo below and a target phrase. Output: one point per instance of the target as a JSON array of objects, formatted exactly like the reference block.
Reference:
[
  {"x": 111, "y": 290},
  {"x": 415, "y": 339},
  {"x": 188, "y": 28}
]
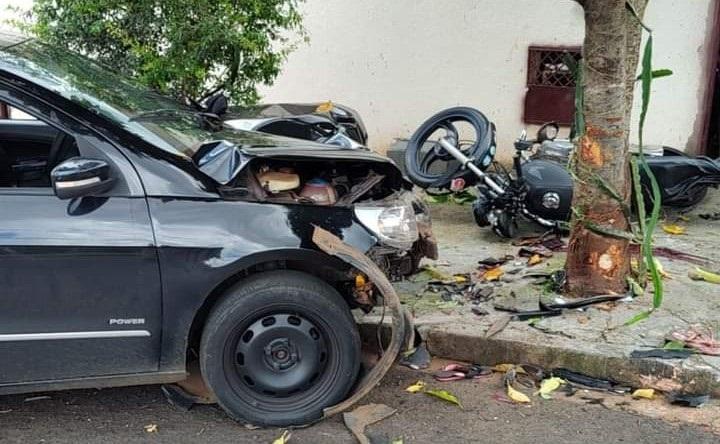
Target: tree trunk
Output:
[{"x": 597, "y": 261}]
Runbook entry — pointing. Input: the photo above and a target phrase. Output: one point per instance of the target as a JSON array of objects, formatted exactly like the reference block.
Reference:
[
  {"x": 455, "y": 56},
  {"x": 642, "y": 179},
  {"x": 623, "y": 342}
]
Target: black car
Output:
[{"x": 136, "y": 237}]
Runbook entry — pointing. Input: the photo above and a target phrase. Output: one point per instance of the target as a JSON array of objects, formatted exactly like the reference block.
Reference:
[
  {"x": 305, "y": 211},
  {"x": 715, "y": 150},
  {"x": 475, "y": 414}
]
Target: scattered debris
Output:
[
  {"x": 673, "y": 229},
  {"x": 362, "y": 417},
  {"x": 417, "y": 359},
  {"x": 491, "y": 262},
  {"x": 177, "y": 397},
  {"x": 535, "y": 251},
  {"x": 549, "y": 240},
  {"x": 699, "y": 338},
  {"x": 418, "y": 386},
  {"x": 698, "y": 274},
  {"x": 687, "y": 400},
  {"x": 284, "y": 438},
  {"x": 549, "y": 385},
  {"x": 589, "y": 381},
  {"x": 478, "y": 293},
  {"x": 710, "y": 216},
  {"x": 644, "y": 393},
  {"x": 662, "y": 353},
  {"x": 497, "y": 326},
  {"x": 534, "y": 260},
  {"x": 445, "y": 396},
  {"x": 517, "y": 395},
  {"x": 456, "y": 372},
  {"x": 36, "y": 398},
  {"x": 479, "y": 311},
  {"x": 492, "y": 274},
  {"x": 151, "y": 428}
]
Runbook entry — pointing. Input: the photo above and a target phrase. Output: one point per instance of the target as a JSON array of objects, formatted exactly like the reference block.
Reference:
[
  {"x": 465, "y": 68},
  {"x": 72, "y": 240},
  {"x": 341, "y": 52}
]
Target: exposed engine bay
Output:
[{"x": 376, "y": 193}]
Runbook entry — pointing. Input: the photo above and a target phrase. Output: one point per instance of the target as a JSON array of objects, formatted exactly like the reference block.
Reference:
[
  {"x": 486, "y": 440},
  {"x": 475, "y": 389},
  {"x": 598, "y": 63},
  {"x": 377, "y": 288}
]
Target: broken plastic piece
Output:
[
  {"x": 688, "y": 400},
  {"x": 662, "y": 353},
  {"x": 456, "y": 372},
  {"x": 418, "y": 359},
  {"x": 589, "y": 381}
]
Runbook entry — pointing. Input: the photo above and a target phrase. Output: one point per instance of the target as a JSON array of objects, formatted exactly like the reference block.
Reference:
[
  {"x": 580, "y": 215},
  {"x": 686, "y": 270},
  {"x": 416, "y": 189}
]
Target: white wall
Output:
[{"x": 399, "y": 61}]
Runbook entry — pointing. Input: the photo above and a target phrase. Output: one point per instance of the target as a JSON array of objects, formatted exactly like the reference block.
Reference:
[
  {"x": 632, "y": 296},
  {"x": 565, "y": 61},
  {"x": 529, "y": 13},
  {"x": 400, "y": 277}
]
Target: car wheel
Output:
[{"x": 279, "y": 348}]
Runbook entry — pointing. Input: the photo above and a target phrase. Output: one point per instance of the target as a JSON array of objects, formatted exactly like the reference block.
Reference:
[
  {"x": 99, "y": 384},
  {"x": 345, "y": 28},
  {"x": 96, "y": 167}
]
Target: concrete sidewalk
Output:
[{"x": 593, "y": 341}]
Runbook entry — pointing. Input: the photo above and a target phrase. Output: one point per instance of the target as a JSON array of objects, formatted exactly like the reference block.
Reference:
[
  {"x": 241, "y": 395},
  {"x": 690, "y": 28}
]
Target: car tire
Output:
[{"x": 278, "y": 348}]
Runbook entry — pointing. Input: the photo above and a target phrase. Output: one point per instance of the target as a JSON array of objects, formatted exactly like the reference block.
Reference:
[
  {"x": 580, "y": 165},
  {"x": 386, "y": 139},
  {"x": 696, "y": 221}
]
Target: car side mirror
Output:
[{"x": 79, "y": 177}]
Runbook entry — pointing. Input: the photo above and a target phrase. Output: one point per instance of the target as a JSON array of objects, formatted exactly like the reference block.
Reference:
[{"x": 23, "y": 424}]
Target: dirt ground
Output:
[{"x": 120, "y": 415}]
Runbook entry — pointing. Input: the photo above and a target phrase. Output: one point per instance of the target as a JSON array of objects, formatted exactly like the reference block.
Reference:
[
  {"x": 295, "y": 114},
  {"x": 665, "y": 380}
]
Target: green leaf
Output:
[
  {"x": 445, "y": 396},
  {"x": 638, "y": 317},
  {"x": 658, "y": 73},
  {"x": 674, "y": 345}
]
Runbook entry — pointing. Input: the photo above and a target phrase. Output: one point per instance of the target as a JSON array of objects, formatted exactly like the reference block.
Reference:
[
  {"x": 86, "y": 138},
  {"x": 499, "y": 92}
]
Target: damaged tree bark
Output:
[{"x": 598, "y": 260}]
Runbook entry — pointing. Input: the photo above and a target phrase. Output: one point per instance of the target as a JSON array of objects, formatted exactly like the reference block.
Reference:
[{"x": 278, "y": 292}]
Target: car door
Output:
[{"x": 80, "y": 288}]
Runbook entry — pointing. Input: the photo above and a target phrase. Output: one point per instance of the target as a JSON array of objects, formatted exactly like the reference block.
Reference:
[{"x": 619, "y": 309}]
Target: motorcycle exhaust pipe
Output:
[{"x": 467, "y": 163}]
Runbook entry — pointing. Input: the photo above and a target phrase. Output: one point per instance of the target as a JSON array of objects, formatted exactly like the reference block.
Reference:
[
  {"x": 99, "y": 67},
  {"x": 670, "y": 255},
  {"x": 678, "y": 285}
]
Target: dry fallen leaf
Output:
[
  {"x": 548, "y": 386},
  {"x": 534, "y": 260},
  {"x": 418, "y": 386},
  {"x": 504, "y": 368},
  {"x": 516, "y": 395},
  {"x": 644, "y": 393},
  {"x": 283, "y": 439},
  {"x": 151, "y": 428},
  {"x": 698, "y": 274},
  {"x": 497, "y": 326},
  {"x": 492, "y": 274},
  {"x": 445, "y": 396},
  {"x": 673, "y": 229}
]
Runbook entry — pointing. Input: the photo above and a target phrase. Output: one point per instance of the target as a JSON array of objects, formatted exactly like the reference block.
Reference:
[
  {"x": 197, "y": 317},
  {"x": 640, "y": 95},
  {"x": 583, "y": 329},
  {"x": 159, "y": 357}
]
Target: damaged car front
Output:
[
  {"x": 272, "y": 169},
  {"x": 161, "y": 241}
]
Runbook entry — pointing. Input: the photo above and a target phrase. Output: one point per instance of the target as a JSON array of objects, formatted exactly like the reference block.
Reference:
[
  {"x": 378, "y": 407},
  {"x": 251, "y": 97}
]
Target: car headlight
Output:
[{"x": 394, "y": 223}]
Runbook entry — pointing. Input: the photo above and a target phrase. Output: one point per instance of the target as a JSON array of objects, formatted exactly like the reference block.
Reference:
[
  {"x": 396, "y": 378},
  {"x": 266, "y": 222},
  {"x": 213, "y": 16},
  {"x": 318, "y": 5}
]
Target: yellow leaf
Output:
[
  {"x": 703, "y": 275},
  {"x": 460, "y": 279},
  {"x": 534, "y": 260},
  {"x": 445, "y": 396},
  {"x": 548, "y": 386},
  {"x": 644, "y": 393},
  {"x": 493, "y": 274},
  {"x": 504, "y": 368},
  {"x": 516, "y": 395},
  {"x": 661, "y": 270},
  {"x": 325, "y": 107},
  {"x": 673, "y": 229},
  {"x": 684, "y": 218},
  {"x": 418, "y": 386},
  {"x": 151, "y": 428},
  {"x": 283, "y": 439}
]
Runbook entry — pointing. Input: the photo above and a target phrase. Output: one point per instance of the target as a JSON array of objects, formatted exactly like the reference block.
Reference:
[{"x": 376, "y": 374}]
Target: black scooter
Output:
[{"x": 455, "y": 149}]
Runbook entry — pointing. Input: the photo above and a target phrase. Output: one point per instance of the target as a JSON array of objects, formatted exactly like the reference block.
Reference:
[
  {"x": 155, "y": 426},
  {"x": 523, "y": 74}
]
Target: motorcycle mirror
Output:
[{"x": 549, "y": 131}]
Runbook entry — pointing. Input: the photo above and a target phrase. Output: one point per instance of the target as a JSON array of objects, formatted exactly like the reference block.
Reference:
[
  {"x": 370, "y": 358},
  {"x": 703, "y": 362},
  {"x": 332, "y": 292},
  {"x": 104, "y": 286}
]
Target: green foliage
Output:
[
  {"x": 190, "y": 49},
  {"x": 647, "y": 225}
]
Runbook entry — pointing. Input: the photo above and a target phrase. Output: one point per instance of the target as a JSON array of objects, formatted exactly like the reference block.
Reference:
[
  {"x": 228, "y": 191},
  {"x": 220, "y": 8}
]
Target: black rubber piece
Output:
[
  {"x": 662, "y": 353},
  {"x": 443, "y": 120},
  {"x": 302, "y": 301}
]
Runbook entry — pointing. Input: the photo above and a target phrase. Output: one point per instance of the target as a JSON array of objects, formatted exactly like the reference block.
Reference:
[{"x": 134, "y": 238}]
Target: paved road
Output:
[{"x": 119, "y": 416}]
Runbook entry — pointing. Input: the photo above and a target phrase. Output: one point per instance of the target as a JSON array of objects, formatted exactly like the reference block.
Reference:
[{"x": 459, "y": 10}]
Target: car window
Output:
[
  {"x": 158, "y": 119},
  {"x": 30, "y": 149},
  {"x": 16, "y": 114}
]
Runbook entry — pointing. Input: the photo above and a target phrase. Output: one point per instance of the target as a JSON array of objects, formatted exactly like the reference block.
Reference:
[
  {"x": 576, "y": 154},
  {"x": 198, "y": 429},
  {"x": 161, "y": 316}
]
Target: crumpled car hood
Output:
[{"x": 225, "y": 157}]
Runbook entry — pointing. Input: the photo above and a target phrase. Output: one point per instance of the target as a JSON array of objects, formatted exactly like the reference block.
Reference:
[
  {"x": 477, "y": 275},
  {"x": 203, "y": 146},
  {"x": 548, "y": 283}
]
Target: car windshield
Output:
[{"x": 160, "y": 120}]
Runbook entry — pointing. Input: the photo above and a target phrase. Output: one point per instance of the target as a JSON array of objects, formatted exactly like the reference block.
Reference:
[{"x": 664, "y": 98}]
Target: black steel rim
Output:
[{"x": 279, "y": 356}]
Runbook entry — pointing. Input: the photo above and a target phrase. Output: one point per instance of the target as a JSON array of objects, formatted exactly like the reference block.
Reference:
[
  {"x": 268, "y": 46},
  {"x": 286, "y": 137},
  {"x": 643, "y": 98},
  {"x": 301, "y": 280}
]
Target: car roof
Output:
[{"x": 10, "y": 38}]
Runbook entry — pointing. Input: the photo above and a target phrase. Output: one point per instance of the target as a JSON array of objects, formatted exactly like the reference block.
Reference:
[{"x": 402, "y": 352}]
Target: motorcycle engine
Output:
[
  {"x": 549, "y": 189},
  {"x": 558, "y": 150}
]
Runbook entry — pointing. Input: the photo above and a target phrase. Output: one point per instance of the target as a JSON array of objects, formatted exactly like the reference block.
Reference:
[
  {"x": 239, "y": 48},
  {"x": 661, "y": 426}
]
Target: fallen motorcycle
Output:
[{"x": 441, "y": 156}]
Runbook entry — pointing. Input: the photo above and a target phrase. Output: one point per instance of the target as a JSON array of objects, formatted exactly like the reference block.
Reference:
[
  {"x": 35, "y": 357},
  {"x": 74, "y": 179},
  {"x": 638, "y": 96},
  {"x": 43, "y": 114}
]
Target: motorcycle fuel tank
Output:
[{"x": 549, "y": 189}]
